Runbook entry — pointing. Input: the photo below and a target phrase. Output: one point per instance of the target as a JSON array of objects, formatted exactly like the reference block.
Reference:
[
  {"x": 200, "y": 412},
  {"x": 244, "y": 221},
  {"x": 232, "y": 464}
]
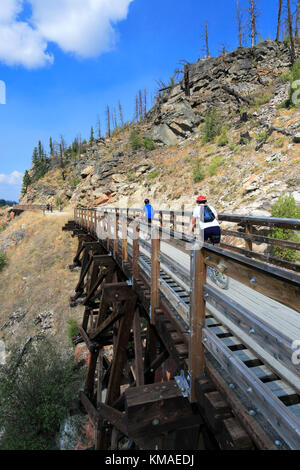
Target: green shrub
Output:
[
  {"x": 294, "y": 90},
  {"x": 215, "y": 164},
  {"x": 75, "y": 181},
  {"x": 198, "y": 172},
  {"x": 285, "y": 77},
  {"x": 135, "y": 141},
  {"x": 36, "y": 391},
  {"x": 263, "y": 98},
  {"x": 73, "y": 329},
  {"x": 261, "y": 136},
  {"x": 212, "y": 126},
  {"x": 148, "y": 143},
  {"x": 153, "y": 175},
  {"x": 285, "y": 207},
  {"x": 223, "y": 140},
  {"x": 3, "y": 260}
]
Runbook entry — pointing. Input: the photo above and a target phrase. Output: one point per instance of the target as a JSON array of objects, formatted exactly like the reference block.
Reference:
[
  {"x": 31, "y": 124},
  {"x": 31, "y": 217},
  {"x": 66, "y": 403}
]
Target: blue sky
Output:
[{"x": 63, "y": 61}]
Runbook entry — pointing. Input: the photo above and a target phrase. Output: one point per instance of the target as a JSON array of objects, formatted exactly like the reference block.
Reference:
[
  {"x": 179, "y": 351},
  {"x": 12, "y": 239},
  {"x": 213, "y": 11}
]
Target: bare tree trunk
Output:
[
  {"x": 99, "y": 127},
  {"x": 253, "y": 12},
  {"x": 136, "y": 108},
  {"x": 145, "y": 102},
  {"x": 108, "y": 121},
  {"x": 115, "y": 118},
  {"x": 279, "y": 20},
  {"x": 297, "y": 19},
  {"x": 239, "y": 19},
  {"x": 121, "y": 114},
  {"x": 62, "y": 147},
  {"x": 140, "y": 105},
  {"x": 290, "y": 24},
  {"x": 206, "y": 40}
]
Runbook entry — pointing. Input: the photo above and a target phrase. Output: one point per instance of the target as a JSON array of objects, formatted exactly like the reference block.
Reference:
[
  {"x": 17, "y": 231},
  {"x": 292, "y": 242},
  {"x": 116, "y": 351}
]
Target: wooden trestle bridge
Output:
[{"x": 173, "y": 356}]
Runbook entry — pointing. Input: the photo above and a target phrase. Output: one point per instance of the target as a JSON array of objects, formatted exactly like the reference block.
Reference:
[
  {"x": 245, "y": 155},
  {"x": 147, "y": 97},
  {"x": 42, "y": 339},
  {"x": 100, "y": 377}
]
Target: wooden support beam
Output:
[
  {"x": 138, "y": 350},
  {"x": 124, "y": 239},
  {"x": 135, "y": 254},
  {"x": 197, "y": 318},
  {"x": 113, "y": 391},
  {"x": 155, "y": 274}
]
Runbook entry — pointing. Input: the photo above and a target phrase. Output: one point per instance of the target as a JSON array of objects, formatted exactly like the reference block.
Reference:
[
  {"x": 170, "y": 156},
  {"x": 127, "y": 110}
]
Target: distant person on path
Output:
[
  {"x": 207, "y": 218},
  {"x": 148, "y": 211}
]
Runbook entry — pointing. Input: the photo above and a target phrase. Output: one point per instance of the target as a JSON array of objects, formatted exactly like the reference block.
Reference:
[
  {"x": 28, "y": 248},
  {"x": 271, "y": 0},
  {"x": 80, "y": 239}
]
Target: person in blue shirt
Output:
[{"x": 148, "y": 211}]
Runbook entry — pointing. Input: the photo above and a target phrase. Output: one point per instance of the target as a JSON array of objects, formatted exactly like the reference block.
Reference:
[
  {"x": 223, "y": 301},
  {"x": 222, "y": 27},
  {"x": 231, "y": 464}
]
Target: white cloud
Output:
[
  {"x": 84, "y": 28},
  {"x": 15, "y": 178}
]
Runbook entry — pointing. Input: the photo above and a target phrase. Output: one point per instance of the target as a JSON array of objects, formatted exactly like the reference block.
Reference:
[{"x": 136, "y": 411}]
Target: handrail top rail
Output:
[{"x": 244, "y": 219}]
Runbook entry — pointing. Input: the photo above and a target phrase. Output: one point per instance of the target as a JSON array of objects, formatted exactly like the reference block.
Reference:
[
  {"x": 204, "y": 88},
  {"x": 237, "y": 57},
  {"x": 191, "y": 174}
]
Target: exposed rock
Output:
[
  {"x": 163, "y": 134},
  {"x": 296, "y": 138},
  {"x": 87, "y": 171}
]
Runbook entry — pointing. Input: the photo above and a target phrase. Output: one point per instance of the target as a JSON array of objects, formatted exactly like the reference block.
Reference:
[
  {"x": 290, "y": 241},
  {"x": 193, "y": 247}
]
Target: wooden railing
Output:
[
  {"x": 30, "y": 207},
  {"x": 253, "y": 232}
]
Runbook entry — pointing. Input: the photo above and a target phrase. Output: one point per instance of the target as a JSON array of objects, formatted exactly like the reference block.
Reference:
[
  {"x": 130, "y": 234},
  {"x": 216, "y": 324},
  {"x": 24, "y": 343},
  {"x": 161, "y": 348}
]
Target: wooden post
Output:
[
  {"x": 161, "y": 219},
  {"x": 197, "y": 318},
  {"x": 116, "y": 232},
  {"x": 172, "y": 220},
  {"x": 249, "y": 245},
  {"x": 135, "y": 255},
  {"x": 108, "y": 230},
  {"x": 124, "y": 238},
  {"x": 155, "y": 273}
]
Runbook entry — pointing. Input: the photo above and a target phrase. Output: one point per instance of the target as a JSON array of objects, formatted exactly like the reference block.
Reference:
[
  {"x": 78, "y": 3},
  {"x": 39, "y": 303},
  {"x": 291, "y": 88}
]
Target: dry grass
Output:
[{"x": 36, "y": 278}]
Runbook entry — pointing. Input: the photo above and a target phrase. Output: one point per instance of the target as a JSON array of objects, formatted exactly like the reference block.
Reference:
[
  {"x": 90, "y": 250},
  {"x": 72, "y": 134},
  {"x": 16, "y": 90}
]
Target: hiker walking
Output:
[
  {"x": 148, "y": 211},
  {"x": 207, "y": 218}
]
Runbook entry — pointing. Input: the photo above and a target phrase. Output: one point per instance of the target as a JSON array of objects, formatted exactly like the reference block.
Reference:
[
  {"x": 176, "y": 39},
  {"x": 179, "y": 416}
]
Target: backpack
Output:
[{"x": 209, "y": 216}]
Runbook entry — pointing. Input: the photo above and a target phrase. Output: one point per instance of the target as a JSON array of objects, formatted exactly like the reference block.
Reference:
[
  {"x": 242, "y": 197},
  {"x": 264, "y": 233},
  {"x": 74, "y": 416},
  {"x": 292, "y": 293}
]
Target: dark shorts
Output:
[{"x": 212, "y": 234}]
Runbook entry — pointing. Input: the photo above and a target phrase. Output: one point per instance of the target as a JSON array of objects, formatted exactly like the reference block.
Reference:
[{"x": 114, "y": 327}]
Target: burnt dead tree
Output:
[
  {"x": 297, "y": 19},
  {"x": 253, "y": 17},
  {"x": 239, "y": 23},
  {"x": 279, "y": 20},
  {"x": 290, "y": 27}
]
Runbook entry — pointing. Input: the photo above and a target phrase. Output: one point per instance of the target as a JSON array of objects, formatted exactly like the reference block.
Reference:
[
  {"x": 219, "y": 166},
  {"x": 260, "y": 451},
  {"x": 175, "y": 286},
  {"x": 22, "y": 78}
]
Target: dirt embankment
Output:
[{"x": 35, "y": 285}]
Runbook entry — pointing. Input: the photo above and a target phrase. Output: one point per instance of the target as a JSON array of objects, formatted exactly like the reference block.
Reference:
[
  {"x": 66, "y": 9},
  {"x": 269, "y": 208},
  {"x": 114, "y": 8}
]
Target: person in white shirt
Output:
[{"x": 207, "y": 218}]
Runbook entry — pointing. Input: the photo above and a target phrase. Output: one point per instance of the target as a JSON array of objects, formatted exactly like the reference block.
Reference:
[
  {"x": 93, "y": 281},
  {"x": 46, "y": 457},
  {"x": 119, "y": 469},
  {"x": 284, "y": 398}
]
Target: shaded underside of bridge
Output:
[{"x": 176, "y": 362}]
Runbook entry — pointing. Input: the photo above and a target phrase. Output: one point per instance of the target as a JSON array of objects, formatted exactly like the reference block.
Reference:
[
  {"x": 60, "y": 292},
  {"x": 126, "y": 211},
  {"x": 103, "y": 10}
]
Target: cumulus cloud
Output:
[
  {"x": 83, "y": 28},
  {"x": 15, "y": 178}
]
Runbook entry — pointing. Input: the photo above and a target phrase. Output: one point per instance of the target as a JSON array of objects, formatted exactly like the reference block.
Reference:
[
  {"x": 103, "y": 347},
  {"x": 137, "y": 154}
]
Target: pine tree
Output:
[
  {"x": 35, "y": 156},
  {"x": 51, "y": 147},
  {"x": 26, "y": 182},
  {"x": 145, "y": 102},
  {"x": 92, "y": 135}
]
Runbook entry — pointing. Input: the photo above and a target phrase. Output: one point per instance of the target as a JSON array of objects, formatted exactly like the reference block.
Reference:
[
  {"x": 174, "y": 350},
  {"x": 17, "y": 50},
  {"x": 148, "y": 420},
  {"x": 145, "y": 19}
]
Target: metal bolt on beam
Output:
[
  {"x": 155, "y": 422},
  {"x": 277, "y": 443},
  {"x": 252, "y": 412},
  {"x": 252, "y": 331},
  {"x": 249, "y": 390},
  {"x": 253, "y": 280},
  {"x": 231, "y": 386}
]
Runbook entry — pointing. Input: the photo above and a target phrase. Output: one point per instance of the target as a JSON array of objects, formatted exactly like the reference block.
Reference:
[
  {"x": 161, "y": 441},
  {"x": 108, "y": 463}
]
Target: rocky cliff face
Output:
[{"x": 247, "y": 171}]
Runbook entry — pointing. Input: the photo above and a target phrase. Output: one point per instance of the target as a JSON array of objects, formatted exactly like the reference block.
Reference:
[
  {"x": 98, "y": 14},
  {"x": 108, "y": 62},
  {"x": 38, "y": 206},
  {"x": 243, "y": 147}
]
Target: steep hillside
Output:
[
  {"x": 222, "y": 130},
  {"x": 35, "y": 286}
]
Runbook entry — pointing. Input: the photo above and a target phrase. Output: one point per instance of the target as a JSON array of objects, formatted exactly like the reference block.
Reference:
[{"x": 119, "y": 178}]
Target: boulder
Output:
[
  {"x": 296, "y": 138},
  {"x": 87, "y": 171},
  {"x": 163, "y": 135}
]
